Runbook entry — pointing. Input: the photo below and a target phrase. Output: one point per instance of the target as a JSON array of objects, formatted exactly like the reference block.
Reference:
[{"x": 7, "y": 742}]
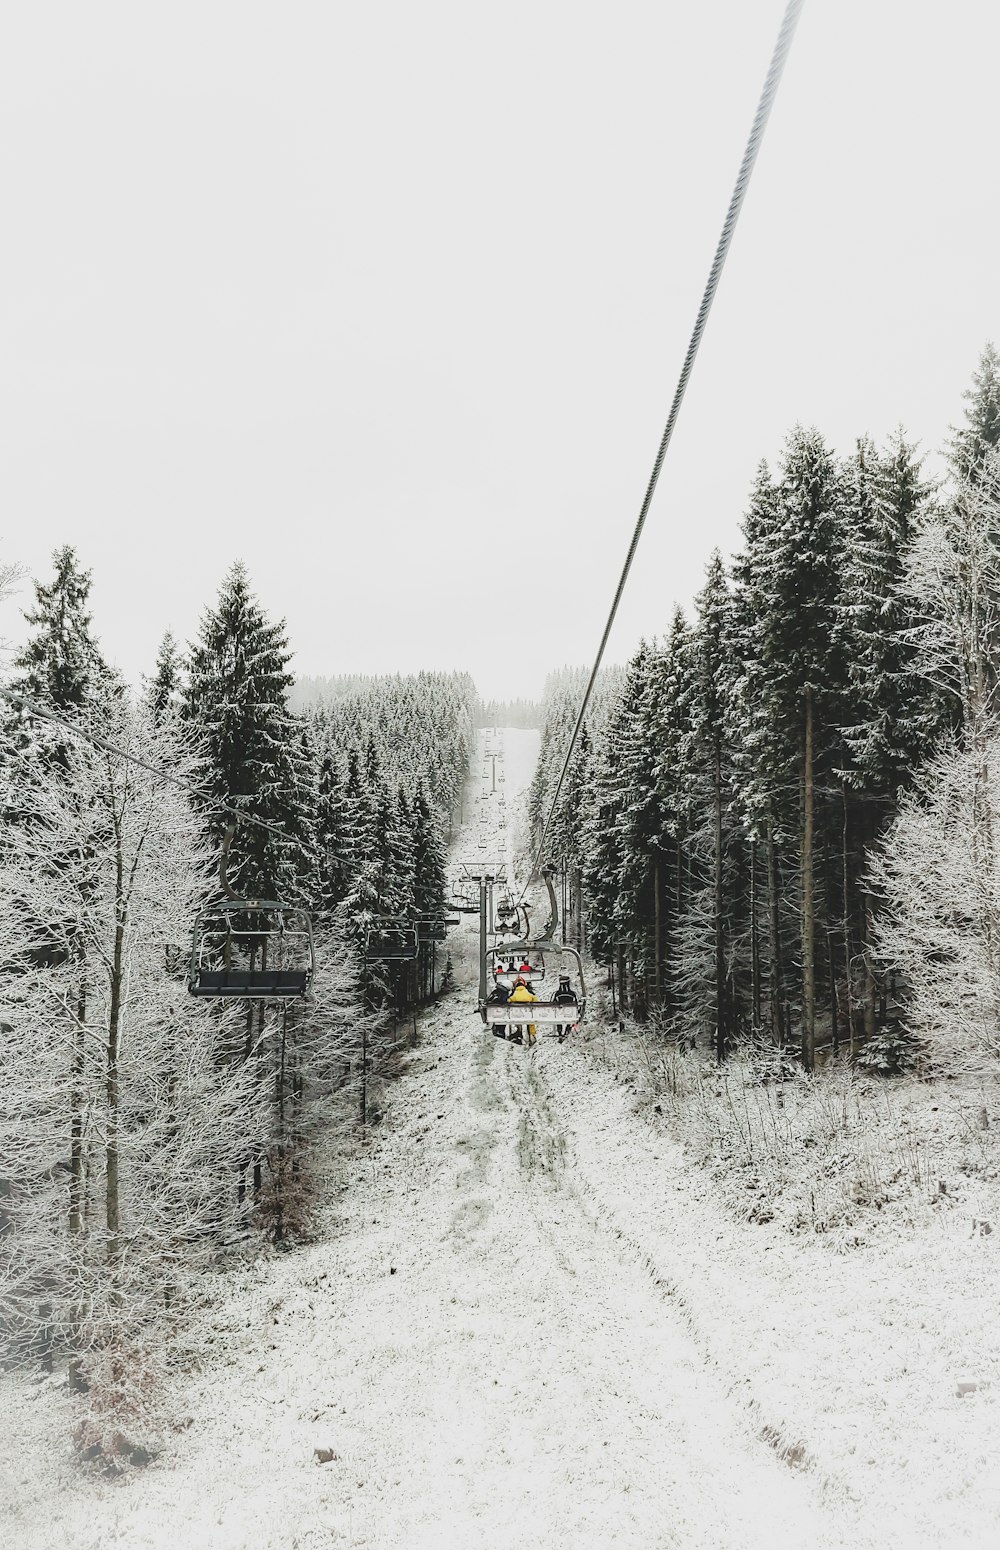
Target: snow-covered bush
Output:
[{"x": 939, "y": 926}]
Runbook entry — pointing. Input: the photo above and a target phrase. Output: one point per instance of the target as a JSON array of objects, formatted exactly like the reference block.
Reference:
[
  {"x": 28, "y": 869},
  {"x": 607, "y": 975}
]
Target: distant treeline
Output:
[{"x": 526, "y": 714}]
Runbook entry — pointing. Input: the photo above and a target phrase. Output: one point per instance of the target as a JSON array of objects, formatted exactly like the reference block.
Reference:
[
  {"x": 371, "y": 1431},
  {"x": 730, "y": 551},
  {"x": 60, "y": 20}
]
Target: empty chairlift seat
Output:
[{"x": 264, "y": 953}]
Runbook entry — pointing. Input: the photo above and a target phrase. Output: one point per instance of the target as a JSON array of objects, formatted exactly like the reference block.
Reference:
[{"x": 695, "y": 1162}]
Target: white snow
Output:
[{"x": 530, "y": 1321}]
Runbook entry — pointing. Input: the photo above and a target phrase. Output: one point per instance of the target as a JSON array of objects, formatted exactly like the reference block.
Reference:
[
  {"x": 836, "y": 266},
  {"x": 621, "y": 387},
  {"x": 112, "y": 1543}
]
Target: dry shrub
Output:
[
  {"x": 823, "y": 1153},
  {"x": 123, "y": 1416},
  {"x": 285, "y": 1210}
]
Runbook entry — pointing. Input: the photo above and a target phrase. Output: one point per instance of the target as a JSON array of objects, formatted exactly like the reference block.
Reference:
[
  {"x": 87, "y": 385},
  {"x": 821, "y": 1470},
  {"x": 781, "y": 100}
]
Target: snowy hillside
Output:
[{"x": 528, "y": 1320}]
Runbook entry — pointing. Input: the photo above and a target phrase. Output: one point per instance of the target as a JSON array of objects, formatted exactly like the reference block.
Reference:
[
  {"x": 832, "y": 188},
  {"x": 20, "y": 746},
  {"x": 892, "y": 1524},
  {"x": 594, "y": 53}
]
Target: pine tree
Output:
[
  {"x": 236, "y": 698},
  {"x": 662, "y": 813},
  {"x": 790, "y": 683},
  {"x": 163, "y": 689},
  {"x": 805, "y": 643},
  {"x": 709, "y": 766},
  {"x": 614, "y": 875},
  {"x": 331, "y": 834},
  {"x": 891, "y": 714},
  {"x": 969, "y": 444},
  {"x": 764, "y": 793},
  {"x": 566, "y": 839},
  {"x": 61, "y": 661}
]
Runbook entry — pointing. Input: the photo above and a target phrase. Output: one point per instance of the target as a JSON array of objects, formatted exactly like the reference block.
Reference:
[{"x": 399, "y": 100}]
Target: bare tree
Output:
[
  {"x": 939, "y": 925},
  {"x": 122, "y": 1123}
]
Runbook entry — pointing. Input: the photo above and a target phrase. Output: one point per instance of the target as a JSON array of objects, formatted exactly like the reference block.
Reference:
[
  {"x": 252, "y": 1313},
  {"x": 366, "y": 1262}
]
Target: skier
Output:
[
  {"x": 565, "y": 996},
  {"x": 522, "y": 993},
  {"x": 498, "y": 996}
]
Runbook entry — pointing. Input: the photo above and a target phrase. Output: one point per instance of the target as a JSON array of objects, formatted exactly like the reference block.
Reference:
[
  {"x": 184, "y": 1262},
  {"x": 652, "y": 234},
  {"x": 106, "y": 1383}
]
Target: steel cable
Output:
[
  {"x": 766, "y": 102},
  {"x": 33, "y": 708}
]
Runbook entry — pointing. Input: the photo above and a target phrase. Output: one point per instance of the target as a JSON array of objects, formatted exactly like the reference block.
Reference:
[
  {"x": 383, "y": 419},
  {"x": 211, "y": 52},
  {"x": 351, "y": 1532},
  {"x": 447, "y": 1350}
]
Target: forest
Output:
[
  {"x": 147, "y": 1134},
  {"x": 776, "y": 835},
  {"x": 778, "y": 830}
]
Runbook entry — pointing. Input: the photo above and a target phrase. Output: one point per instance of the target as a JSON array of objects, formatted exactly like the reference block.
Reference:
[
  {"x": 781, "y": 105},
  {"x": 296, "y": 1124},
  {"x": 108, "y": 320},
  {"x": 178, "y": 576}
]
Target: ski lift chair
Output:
[
  {"x": 562, "y": 960},
  {"x": 250, "y": 949},
  {"x": 545, "y": 1012},
  {"x": 516, "y": 950},
  {"x": 392, "y": 943}
]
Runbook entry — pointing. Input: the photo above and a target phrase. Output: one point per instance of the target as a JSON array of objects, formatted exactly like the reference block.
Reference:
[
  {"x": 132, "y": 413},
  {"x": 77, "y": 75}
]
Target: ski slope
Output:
[{"x": 487, "y": 1359}]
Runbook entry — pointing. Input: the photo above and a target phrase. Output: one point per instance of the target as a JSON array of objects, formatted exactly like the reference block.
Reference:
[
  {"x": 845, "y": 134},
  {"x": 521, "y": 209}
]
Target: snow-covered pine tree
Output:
[
  {"x": 892, "y": 715},
  {"x": 765, "y": 795},
  {"x": 792, "y": 673},
  {"x": 236, "y": 700},
  {"x": 566, "y": 841},
  {"x": 713, "y": 841},
  {"x": 163, "y": 689},
  {"x": 429, "y": 877},
  {"x": 331, "y": 841},
  {"x": 61, "y": 660},
  {"x": 810, "y": 668},
  {"x": 613, "y": 877},
  {"x": 970, "y": 443}
]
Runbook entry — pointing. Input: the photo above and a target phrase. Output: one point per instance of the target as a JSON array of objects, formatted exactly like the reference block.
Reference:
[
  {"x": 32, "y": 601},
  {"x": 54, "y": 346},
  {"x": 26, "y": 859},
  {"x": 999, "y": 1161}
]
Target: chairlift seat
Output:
[
  {"x": 257, "y": 984},
  {"x": 260, "y": 951},
  {"x": 541, "y": 1013},
  {"x": 392, "y": 945}
]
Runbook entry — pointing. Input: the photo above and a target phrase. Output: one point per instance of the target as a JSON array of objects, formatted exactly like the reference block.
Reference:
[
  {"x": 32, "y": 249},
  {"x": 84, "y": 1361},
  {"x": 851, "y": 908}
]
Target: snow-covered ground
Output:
[{"x": 529, "y": 1321}]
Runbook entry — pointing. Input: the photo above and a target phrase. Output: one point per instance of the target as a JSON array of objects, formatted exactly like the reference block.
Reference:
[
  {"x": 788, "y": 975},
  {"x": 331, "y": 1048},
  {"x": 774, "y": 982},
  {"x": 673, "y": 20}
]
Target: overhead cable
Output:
[
  {"x": 32, "y": 707},
  {"x": 767, "y": 96}
]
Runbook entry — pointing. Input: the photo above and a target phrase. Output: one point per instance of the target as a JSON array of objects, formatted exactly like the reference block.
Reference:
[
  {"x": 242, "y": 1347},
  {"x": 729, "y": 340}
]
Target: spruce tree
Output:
[
  {"x": 891, "y": 714},
  {"x": 790, "y": 681},
  {"x": 331, "y": 834},
  {"x": 236, "y": 699},
  {"x": 61, "y": 661},
  {"x": 664, "y": 812},
  {"x": 809, "y": 666},
  {"x": 765, "y": 795},
  {"x": 709, "y": 773},
  {"x": 163, "y": 689},
  {"x": 969, "y": 443}
]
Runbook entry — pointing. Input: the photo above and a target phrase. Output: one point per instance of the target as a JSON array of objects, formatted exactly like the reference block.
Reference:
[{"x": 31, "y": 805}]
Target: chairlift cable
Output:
[
  {"x": 767, "y": 96},
  {"x": 34, "y": 709}
]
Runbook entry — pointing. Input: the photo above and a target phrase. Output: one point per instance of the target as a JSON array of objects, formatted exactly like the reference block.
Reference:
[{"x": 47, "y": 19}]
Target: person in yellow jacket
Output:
[{"x": 522, "y": 993}]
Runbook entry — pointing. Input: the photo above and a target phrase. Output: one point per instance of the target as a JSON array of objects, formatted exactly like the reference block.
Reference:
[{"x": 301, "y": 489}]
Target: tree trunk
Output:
[
  {"x": 657, "y": 933},
  {"x": 258, "y": 1172},
  {"x": 808, "y": 901},
  {"x": 76, "y": 1112},
  {"x": 755, "y": 986},
  {"x": 774, "y": 925},
  {"x": 847, "y": 930},
  {"x": 834, "y": 1023},
  {"x": 720, "y": 955},
  {"x": 112, "y": 1204}
]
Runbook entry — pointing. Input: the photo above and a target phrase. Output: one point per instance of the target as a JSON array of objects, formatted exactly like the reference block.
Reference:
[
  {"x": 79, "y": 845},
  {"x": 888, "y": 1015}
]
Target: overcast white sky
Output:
[{"x": 389, "y": 299}]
